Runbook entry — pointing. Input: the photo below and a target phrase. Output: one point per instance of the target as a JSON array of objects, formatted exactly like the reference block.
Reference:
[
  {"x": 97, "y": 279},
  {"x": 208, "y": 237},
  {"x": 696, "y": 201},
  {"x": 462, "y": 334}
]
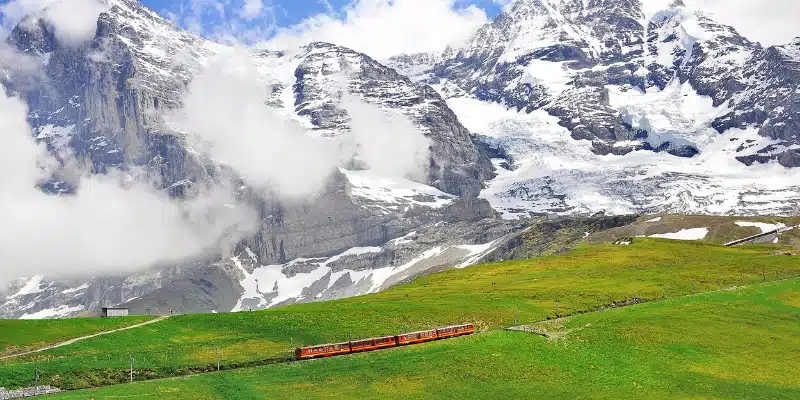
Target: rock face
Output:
[{"x": 770, "y": 100}]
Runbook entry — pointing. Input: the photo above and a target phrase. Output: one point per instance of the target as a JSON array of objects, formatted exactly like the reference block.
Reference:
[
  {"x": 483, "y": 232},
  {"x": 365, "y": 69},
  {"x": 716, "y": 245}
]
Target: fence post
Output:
[
  {"x": 217, "y": 358},
  {"x": 694, "y": 287},
  {"x": 131, "y": 368},
  {"x": 558, "y": 307}
]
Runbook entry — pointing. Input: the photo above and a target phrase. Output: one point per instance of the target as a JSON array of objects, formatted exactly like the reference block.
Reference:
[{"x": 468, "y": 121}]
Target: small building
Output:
[{"x": 114, "y": 312}]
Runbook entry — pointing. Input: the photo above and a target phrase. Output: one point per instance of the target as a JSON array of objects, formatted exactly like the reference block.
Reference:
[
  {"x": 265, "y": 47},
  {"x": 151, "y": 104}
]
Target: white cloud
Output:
[
  {"x": 251, "y": 9},
  {"x": 75, "y": 21},
  {"x": 11, "y": 12},
  {"x": 112, "y": 223},
  {"x": 225, "y": 114},
  {"x": 383, "y": 28},
  {"x": 225, "y": 117},
  {"x": 771, "y": 23},
  {"x": 225, "y": 21},
  {"x": 387, "y": 143}
]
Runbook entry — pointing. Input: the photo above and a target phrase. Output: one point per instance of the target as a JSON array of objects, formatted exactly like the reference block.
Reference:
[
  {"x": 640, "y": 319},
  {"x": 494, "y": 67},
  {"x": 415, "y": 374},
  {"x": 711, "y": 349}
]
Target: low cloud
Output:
[
  {"x": 114, "y": 223},
  {"x": 74, "y": 21},
  {"x": 771, "y": 23},
  {"x": 225, "y": 117},
  {"x": 389, "y": 144}
]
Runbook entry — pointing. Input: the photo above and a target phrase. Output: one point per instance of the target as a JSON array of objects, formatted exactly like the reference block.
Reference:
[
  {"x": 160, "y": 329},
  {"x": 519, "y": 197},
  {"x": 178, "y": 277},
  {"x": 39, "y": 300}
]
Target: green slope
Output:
[
  {"x": 491, "y": 295},
  {"x": 17, "y": 336},
  {"x": 738, "y": 344}
]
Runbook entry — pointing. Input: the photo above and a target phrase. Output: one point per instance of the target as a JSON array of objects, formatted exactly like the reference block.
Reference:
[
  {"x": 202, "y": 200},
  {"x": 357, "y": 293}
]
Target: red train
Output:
[{"x": 335, "y": 349}]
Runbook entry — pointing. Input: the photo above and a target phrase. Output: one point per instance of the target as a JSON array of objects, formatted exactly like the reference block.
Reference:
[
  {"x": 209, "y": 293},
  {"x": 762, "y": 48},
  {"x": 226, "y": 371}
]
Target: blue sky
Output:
[{"x": 284, "y": 13}]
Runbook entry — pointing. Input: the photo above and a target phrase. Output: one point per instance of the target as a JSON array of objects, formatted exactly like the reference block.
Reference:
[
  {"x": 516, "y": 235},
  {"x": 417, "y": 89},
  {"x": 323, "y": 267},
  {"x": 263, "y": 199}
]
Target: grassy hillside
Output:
[
  {"x": 491, "y": 295},
  {"x": 737, "y": 344},
  {"x": 19, "y": 335}
]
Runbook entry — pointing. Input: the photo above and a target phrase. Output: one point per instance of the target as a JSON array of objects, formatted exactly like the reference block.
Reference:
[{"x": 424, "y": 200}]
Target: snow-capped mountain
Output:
[
  {"x": 604, "y": 104},
  {"x": 555, "y": 107}
]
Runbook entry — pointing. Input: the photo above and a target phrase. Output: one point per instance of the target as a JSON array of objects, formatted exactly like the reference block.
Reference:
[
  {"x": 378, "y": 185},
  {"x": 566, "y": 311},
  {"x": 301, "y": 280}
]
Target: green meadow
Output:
[
  {"x": 493, "y": 296},
  {"x": 17, "y": 336},
  {"x": 735, "y": 344}
]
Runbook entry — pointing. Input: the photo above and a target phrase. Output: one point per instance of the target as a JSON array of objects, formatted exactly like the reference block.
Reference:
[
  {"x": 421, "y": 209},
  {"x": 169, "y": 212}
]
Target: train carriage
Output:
[
  {"x": 325, "y": 350},
  {"x": 455, "y": 330},
  {"x": 333, "y": 349},
  {"x": 373, "y": 343},
  {"x": 416, "y": 337}
]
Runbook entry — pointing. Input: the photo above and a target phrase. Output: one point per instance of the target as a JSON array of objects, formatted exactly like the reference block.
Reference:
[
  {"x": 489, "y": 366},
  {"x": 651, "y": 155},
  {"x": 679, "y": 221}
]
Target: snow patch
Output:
[
  {"x": 32, "y": 286},
  {"x": 393, "y": 194},
  {"x": 77, "y": 289},
  {"x": 684, "y": 234},
  {"x": 763, "y": 226},
  {"x": 476, "y": 253},
  {"x": 58, "y": 312}
]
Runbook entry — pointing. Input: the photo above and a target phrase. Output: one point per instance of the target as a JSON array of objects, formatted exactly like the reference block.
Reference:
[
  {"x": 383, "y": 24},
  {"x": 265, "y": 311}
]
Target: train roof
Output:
[
  {"x": 425, "y": 331},
  {"x": 326, "y": 344},
  {"x": 374, "y": 338},
  {"x": 387, "y": 337}
]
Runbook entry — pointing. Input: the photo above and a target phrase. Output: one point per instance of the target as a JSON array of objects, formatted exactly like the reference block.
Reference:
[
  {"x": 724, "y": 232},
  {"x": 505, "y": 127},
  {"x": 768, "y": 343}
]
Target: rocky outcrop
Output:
[{"x": 771, "y": 101}]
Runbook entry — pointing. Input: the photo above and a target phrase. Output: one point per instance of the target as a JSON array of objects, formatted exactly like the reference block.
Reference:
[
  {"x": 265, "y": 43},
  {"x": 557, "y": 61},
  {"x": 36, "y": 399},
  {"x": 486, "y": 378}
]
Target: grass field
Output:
[
  {"x": 491, "y": 295},
  {"x": 20, "y": 335},
  {"x": 734, "y": 344}
]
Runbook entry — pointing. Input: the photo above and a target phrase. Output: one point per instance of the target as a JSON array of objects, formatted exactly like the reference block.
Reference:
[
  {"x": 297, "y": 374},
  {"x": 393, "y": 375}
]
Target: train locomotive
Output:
[{"x": 371, "y": 344}]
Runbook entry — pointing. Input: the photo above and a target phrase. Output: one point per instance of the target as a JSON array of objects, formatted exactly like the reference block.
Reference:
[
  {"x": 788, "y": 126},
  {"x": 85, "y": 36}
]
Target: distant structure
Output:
[{"x": 114, "y": 312}]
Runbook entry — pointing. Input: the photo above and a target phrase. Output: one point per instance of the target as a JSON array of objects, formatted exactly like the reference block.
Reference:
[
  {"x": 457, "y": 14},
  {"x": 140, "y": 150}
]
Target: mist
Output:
[
  {"x": 115, "y": 223},
  {"x": 224, "y": 116}
]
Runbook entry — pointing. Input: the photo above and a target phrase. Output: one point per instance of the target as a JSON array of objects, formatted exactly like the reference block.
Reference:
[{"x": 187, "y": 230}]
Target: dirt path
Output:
[{"x": 78, "y": 339}]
